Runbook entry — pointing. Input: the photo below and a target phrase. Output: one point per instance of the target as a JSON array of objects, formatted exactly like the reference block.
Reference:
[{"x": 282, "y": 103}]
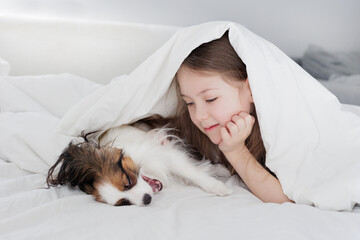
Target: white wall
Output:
[{"x": 291, "y": 25}]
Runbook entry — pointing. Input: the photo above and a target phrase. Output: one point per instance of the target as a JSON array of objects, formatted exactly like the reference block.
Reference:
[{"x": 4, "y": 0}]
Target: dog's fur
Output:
[{"x": 112, "y": 169}]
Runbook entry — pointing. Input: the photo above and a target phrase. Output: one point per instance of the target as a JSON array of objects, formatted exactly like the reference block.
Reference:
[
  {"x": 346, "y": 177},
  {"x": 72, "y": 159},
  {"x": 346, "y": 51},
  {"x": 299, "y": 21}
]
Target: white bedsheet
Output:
[{"x": 28, "y": 211}]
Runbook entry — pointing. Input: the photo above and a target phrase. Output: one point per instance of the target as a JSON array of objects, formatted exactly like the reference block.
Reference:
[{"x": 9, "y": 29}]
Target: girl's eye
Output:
[
  {"x": 189, "y": 104},
  {"x": 211, "y": 100}
]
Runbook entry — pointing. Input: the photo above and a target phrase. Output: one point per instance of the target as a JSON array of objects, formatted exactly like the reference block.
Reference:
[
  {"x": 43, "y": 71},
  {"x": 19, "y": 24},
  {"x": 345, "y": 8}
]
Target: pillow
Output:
[
  {"x": 321, "y": 64},
  {"x": 4, "y": 67},
  {"x": 350, "y": 80}
]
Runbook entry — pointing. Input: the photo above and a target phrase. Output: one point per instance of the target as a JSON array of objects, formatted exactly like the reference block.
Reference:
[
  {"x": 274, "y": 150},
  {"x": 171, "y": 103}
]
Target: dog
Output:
[{"x": 127, "y": 165}]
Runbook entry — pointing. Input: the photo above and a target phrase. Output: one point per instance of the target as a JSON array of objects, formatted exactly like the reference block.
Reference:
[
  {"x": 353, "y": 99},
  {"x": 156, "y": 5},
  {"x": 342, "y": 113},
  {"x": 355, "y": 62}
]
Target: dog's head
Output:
[{"x": 105, "y": 172}]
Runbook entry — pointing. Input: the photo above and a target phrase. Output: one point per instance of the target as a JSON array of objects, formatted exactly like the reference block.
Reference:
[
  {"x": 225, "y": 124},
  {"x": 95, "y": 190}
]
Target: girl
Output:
[{"x": 216, "y": 114}]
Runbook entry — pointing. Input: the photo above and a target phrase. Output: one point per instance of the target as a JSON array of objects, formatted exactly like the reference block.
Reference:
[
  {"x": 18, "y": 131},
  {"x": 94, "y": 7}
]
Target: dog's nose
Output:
[{"x": 147, "y": 199}]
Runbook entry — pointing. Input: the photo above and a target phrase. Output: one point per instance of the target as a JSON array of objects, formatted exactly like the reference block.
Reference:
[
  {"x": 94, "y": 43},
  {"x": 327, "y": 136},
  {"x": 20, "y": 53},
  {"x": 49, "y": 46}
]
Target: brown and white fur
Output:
[{"x": 114, "y": 169}]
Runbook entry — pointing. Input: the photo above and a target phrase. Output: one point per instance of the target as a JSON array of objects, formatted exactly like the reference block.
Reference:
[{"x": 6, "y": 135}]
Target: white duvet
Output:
[{"x": 312, "y": 146}]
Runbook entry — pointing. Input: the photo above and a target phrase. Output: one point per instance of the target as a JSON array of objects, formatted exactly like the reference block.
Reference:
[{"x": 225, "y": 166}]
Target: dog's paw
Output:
[
  {"x": 217, "y": 187},
  {"x": 223, "y": 190}
]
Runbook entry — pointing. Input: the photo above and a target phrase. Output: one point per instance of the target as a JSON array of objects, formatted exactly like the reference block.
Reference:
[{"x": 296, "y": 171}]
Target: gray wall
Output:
[{"x": 290, "y": 24}]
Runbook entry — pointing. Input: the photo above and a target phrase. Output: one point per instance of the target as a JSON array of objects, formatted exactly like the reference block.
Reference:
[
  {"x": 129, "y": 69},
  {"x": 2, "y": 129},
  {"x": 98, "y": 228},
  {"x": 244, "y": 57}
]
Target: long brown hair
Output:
[{"x": 216, "y": 56}]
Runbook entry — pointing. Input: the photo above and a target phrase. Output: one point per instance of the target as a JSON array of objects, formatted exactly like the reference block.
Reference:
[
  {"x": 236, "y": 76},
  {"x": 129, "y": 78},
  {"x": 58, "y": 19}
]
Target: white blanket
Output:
[
  {"x": 312, "y": 145},
  {"x": 30, "y": 109}
]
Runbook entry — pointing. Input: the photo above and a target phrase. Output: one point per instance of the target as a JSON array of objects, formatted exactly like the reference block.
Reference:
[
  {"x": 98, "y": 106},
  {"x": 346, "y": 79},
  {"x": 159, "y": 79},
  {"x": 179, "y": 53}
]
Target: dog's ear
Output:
[{"x": 74, "y": 168}]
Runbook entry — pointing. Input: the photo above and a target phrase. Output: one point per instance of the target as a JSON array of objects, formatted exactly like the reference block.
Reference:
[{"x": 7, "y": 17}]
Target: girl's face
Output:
[{"x": 211, "y": 100}]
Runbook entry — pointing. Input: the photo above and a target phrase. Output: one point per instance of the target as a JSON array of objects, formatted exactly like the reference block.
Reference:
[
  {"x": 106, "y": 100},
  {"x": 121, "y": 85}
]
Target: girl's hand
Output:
[{"x": 236, "y": 132}]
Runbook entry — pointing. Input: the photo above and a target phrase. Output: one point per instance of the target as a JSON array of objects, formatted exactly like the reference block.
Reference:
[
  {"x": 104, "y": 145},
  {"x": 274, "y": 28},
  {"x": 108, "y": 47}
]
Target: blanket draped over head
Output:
[{"x": 312, "y": 146}]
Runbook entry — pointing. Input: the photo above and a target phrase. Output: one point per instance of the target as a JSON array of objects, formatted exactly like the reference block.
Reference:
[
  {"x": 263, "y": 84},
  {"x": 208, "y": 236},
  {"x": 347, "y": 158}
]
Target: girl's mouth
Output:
[{"x": 211, "y": 128}]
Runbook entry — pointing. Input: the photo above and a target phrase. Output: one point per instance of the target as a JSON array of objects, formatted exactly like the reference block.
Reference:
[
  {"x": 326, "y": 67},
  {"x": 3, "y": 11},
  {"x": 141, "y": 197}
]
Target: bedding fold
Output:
[{"x": 30, "y": 109}]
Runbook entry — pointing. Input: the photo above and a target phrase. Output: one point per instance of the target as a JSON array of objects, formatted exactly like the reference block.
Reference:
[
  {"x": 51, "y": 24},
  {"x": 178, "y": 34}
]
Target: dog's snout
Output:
[{"x": 147, "y": 199}]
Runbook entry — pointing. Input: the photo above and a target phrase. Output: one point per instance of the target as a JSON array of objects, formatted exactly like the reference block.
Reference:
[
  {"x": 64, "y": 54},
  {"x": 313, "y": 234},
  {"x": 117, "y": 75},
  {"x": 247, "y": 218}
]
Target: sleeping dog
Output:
[{"x": 127, "y": 165}]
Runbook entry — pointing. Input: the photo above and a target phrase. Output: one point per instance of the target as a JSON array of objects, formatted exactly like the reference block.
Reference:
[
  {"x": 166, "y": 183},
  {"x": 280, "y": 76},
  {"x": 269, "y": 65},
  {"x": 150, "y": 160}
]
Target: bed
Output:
[{"x": 48, "y": 51}]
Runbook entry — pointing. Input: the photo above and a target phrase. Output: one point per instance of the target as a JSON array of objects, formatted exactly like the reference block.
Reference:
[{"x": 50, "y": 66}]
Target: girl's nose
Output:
[{"x": 201, "y": 114}]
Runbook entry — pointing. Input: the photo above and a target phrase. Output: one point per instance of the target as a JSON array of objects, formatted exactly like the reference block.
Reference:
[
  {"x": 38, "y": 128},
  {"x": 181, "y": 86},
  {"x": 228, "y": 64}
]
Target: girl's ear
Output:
[{"x": 248, "y": 87}]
